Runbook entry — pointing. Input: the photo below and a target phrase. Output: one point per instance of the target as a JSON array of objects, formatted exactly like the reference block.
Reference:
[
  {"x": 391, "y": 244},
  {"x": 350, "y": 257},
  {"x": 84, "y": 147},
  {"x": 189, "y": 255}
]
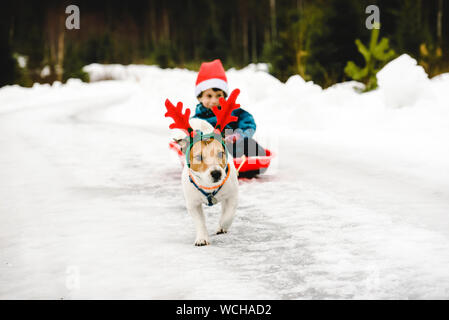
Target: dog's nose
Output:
[{"x": 216, "y": 175}]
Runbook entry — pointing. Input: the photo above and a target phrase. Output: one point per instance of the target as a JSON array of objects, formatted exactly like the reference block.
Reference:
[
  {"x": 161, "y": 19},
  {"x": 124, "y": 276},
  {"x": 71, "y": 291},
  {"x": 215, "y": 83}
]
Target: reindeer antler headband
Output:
[{"x": 224, "y": 116}]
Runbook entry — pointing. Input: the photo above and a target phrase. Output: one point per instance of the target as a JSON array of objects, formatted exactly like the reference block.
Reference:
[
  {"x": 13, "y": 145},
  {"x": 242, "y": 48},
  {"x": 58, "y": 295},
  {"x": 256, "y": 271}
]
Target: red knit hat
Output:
[{"x": 211, "y": 75}]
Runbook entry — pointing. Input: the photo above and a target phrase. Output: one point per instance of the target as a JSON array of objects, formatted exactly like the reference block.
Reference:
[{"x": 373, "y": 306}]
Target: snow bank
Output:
[
  {"x": 280, "y": 109},
  {"x": 407, "y": 115},
  {"x": 406, "y": 118},
  {"x": 402, "y": 82},
  {"x": 407, "y": 110}
]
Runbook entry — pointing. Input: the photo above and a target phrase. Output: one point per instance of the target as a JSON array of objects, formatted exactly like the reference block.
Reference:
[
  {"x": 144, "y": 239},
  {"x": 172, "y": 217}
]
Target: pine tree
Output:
[{"x": 376, "y": 56}]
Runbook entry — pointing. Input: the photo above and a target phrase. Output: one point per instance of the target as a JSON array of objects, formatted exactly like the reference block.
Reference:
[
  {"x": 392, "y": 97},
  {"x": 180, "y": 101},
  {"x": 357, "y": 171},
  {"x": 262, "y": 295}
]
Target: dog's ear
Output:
[{"x": 183, "y": 143}]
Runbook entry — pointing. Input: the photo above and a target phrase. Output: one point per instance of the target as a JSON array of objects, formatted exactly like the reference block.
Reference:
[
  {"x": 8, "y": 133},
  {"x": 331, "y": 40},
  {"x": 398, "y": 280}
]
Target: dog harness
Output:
[{"x": 211, "y": 200}]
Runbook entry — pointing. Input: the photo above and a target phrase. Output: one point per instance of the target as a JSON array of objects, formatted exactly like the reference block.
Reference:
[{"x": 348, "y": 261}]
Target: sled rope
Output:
[{"x": 241, "y": 164}]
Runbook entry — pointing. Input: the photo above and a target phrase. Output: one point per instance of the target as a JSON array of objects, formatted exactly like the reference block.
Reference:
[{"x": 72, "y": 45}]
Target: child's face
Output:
[{"x": 210, "y": 98}]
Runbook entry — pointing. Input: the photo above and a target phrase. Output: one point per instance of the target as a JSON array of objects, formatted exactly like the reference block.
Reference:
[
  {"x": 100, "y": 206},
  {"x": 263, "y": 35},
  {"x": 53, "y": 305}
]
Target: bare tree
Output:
[
  {"x": 273, "y": 19},
  {"x": 439, "y": 23},
  {"x": 55, "y": 34}
]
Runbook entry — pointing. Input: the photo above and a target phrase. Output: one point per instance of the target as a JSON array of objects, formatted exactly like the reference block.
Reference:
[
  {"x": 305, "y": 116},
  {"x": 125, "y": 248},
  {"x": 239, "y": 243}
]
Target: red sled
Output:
[{"x": 247, "y": 167}]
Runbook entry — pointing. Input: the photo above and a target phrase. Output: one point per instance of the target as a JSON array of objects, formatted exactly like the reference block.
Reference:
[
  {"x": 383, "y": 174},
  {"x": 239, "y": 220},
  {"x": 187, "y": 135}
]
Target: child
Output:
[{"x": 211, "y": 85}]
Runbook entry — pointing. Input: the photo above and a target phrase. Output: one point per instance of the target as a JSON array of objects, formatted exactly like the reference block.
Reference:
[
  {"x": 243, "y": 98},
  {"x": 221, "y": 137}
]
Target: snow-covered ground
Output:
[{"x": 355, "y": 204}]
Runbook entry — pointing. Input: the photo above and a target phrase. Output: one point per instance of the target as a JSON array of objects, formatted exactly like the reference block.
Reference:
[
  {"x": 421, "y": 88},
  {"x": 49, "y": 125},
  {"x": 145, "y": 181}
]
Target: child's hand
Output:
[{"x": 232, "y": 138}]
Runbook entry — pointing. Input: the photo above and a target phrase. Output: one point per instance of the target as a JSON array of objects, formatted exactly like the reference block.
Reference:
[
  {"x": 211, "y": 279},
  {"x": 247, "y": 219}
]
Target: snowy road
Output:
[{"x": 91, "y": 207}]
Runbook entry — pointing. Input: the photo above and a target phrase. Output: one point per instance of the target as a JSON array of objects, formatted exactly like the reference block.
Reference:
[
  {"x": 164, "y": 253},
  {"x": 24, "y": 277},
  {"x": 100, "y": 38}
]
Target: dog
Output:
[
  {"x": 209, "y": 175},
  {"x": 210, "y": 178}
]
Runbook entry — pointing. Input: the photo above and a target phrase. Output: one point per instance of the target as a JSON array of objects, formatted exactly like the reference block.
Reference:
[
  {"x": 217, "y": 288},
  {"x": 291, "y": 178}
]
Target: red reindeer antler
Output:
[
  {"x": 181, "y": 120},
  {"x": 224, "y": 114}
]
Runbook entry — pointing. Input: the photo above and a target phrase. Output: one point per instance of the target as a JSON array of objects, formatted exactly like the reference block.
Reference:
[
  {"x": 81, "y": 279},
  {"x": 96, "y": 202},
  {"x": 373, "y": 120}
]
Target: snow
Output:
[
  {"x": 45, "y": 72},
  {"x": 21, "y": 60},
  {"x": 402, "y": 82},
  {"x": 354, "y": 206}
]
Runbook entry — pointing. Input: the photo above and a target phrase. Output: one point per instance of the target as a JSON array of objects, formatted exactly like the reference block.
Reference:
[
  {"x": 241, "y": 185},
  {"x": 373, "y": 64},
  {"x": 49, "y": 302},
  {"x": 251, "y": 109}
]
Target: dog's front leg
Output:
[
  {"x": 196, "y": 211},
  {"x": 228, "y": 209}
]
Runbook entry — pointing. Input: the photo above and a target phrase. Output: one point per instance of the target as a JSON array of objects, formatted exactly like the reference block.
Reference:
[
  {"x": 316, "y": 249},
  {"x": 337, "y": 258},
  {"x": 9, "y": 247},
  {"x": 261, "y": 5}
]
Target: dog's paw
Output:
[
  {"x": 201, "y": 242},
  {"x": 221, "y": 231}
]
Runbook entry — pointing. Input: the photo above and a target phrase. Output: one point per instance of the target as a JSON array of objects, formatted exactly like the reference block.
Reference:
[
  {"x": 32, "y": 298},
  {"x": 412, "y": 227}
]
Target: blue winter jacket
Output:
[{"x": 245, "y": 120}]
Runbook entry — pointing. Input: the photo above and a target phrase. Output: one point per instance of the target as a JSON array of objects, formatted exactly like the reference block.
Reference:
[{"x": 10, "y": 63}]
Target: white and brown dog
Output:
[
  {"x": 209, "y": 175},
  {"x": 210, "y": 178}
]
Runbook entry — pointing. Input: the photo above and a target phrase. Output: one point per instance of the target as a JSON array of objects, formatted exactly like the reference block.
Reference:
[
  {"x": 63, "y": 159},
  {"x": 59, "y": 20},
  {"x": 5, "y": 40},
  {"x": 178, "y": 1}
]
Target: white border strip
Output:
[{"x": 212, "y": 83}]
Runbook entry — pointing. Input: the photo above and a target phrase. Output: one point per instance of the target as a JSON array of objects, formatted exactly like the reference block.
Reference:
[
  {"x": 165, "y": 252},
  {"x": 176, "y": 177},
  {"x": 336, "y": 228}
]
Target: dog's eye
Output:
[
  {"x": 220, "y": 154},
  {"x": 198, "y": 158}
]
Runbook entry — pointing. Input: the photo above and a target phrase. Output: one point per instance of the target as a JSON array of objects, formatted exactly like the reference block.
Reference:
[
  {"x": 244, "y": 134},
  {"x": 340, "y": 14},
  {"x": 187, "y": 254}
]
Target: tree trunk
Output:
[
  {"x": 439, "y": 23},
  {"x": 166, "y": 24},
  {"x": 153, "y": 24},
  {"x": 234, "y": 38},
  {"x": 55, "y": 29},
  {"x": 273, "y": 19},
  {"x": 253, "y": 41},
  {"x": 60, "y": 57},
  {"x": 244, "y": 21},
  {"x": 245, "y": 40}
]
